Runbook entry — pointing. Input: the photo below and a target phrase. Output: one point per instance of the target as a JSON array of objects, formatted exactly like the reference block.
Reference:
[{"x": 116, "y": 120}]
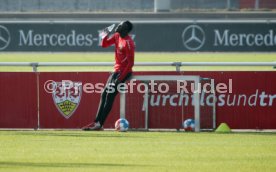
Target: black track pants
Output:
[{"x": 108, "y": 97}]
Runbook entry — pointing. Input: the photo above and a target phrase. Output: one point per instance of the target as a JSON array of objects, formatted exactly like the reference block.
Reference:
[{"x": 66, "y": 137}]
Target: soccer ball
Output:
[
  {"x": 189, "y": 125},
  {"x": 121, "y": 125}
]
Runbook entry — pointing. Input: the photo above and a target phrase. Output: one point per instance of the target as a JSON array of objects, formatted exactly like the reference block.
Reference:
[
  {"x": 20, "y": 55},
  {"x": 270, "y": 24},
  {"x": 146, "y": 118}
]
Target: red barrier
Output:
[
  {"x": 18, "y": 100},
  {"x": 251, "y": 105},
  {"x": 51, "y": 115},
  {"x": 239, "y": 116}
]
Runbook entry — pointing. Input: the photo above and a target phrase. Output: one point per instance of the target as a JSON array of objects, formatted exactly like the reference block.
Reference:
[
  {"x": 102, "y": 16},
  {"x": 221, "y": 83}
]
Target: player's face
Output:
[{"x": 121, "y": 28}]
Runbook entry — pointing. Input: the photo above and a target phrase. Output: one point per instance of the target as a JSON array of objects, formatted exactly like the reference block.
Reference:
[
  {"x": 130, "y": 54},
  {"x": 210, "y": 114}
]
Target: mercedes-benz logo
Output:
[
  {"x": 5, "y": 37},
  {"x": 193, "y": 37}
]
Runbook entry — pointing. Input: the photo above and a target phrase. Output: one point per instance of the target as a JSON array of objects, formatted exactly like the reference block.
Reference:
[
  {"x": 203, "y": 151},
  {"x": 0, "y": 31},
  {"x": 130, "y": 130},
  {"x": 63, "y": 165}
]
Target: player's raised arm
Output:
[{"x": 108, "y": 41}]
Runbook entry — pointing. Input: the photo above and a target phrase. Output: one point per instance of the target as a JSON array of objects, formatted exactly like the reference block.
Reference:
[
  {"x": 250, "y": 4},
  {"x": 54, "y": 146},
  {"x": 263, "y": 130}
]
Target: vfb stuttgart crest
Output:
[{"x": 67, "y": 96}]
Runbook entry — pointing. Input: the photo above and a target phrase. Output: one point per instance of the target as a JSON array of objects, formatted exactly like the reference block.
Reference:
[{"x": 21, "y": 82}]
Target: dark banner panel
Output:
[{"x": 150, "y": 36}]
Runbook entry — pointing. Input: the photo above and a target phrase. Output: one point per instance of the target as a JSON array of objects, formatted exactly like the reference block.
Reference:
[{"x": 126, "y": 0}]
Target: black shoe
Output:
[{"x": 96, "y": 127}]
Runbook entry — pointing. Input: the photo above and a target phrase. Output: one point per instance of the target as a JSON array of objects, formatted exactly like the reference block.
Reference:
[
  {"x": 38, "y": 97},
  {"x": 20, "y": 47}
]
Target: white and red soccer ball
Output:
[
  {"x": 121, "y": 125},
  {"x": 189, "y": 125}
]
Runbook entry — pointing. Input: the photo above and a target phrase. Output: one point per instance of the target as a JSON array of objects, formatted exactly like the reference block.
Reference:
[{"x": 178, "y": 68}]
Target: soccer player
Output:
[{"x": 124, "y": 61}]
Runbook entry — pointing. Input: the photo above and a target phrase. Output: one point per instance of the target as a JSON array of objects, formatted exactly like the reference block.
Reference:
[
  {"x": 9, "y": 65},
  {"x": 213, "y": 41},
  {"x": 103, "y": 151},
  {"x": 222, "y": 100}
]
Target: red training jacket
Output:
[{"x": 124, "y": 53}]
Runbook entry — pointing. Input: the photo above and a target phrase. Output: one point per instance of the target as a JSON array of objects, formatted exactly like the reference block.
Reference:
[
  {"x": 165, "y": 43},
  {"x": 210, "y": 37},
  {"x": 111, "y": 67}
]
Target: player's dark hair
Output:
[
  {"x": 129, "y": 25},
  {"x": 124, "y": 28}
]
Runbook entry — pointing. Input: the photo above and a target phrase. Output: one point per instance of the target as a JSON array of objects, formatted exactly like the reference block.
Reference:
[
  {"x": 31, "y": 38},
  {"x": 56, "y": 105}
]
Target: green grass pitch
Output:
[
  {"x": 139, "y": 57},
  {"x": 136, "y": 151}
]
